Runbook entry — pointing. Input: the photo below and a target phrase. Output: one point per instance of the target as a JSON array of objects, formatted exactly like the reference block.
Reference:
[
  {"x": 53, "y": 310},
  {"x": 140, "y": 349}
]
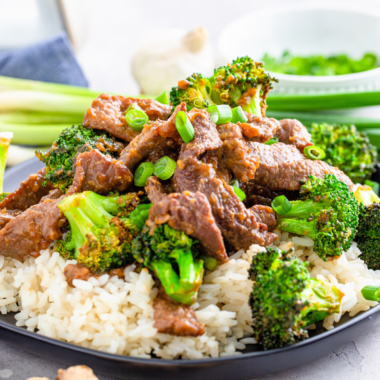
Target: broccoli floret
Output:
[
  {"x": 101, "y": 233},
  {"x": 168, "y": 252},
  {"x": 347, "y": 149},
  {"x": 243, "y": 83},
  {"x": 328, "y": 213},
  {"x": 285, "y": 299},
  {"x": 368, "y": 235},
  {"x": 195, "y": 91},
  {"x": 61, "y": 157}
]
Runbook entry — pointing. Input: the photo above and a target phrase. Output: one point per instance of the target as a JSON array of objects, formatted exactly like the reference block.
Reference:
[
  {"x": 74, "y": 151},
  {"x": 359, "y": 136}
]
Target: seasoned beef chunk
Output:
[
  {"x": 33, "y": 230},
  {"x": 107, "y": 113},
  {"x": 188, "y": 212},
  {"x": 259, "y": 129},
  {"x": 293, "y": 132},
  {"x": 171, "y": 317},
  {"x": 265, "y": 215},
  {"x": 282, "y": 167},
  {"x": 156, "y": 140},
  {"x": 99, "y": 173},
  {"x": 28, "y": 194},
  {"x": 6, "y": 217},
  {"x": 259, "y": 195},
  {"x": 236, "y": 152},
  {"x": 239, "y": 226}
]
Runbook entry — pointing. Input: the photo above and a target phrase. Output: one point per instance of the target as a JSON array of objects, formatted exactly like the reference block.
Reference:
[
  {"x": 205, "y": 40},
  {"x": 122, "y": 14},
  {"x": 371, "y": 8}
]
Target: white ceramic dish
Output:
[{"x": 307, "y": 29}]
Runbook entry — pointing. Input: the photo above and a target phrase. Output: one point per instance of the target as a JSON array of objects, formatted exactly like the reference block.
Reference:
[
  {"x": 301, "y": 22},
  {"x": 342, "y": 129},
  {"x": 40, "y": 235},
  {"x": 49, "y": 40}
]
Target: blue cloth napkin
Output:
[{"x": 49, "y": 61}]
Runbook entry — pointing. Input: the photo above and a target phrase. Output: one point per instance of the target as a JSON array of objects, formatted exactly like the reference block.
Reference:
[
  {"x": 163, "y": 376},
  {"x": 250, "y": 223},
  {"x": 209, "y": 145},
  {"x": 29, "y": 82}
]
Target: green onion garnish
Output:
[
  {"x": 238, "y": 115},
  {"x": 136, "y": 118},
  {"x": 314, "y": 152},
  {"x": 184, "y": 127},
  {"x": 281, "y": 205},
  {"x": 374, "y": 185},
  {"x": 235, "y": 182},
  {"x": 142, "y": 173},
  {"x": 371, "y": 293},
  {"x": 273, "y": 140},
  {"x": 210, "y": 263},
  {"x": 220, "y": 114},
  {"x": 163, "y": 98},
  {"x": 140, "y": 214},
  {"x": 239, "y": 193},
  {"x": 164, "y": 168}
]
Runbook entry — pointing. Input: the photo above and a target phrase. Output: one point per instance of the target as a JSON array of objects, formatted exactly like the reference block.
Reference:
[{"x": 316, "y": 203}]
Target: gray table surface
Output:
[
  {"x": 355, "y": 361},
  {"x": 111, "y": 25}
]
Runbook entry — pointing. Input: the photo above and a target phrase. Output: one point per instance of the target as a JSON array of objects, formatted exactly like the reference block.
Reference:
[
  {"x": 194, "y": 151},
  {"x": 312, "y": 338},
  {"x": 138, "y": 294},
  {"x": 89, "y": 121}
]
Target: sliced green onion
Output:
[
  {"x": 163, "y": 98},
  {"x": 220, "y": 114},
  {"x": 140, "y": 214},
  {"x": 314, "y": 152},
  {"x": 239, "y": 193},
  {"x": 374, "y": 185},
  {"x": 164, "y": 168},
  {"x": 238, "y": 115},
  {"x": 184, "y": 127},
  {"x": 210, "y": 263},
  {"x": 281, "y": 205},
  {"x": 273, "y": 140},
  {"x": 371, "y": 293},
  {"x": 136, "y": 118},
  {"x": 142, "y": 173},
  {"x": 235, "y": 182}
]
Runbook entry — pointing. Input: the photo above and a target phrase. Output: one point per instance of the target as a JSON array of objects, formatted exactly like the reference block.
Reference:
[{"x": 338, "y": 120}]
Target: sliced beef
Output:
[
  {"x": 239, "y": 226},
  {"x": 107, "y": 113},
  {"x": 33, "y": 230},
  {"x": 28, "y": 194},
  {"x": 99, "y": 173},
  {"x": 265, "y": 215},
  {"x": 282, "y": 167},
  {"x": 188, "y": 212},
  {"x": 259, "y": 129},
  {"x": 293, "y": 132},
  {"x": 156, "y": 140},
  {"x": 236, "y": 152},
  {"x": 171, "y": 317},
  {"x": 259, "y": 195}
]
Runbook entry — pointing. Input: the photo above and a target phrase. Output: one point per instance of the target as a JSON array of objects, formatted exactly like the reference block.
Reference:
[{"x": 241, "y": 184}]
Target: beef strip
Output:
[
  {"x": 239, "y": 226},
  {"x": 259, "y": 195},
  {"x": 107, "y": 113},
  {"x": 265, "y": 215},
  {"x": 293, "y": 132},
  {"x": 188, "y": 212},
  {"x": 236, "y": 152},
  {"x": 171, "y": 317},
  {"x": 282, "y": 167},
  {"x": 28, "y": 194},
  {"x": 37, "y": 227},
  {"x": 155, "y": 140},
  {"x": 259, "y": 129},
  {"x": 81, "y": 272},
  {"x": 99, "y": 173}
]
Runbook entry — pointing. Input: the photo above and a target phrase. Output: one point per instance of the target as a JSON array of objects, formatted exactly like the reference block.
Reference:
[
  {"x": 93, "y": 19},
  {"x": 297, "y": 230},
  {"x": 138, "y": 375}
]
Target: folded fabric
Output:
[{"x": 49, "y": 61}]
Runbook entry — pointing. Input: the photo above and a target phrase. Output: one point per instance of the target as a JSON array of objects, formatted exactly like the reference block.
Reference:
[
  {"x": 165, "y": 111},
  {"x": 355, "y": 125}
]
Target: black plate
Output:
[{"x": 250, "y": 364}]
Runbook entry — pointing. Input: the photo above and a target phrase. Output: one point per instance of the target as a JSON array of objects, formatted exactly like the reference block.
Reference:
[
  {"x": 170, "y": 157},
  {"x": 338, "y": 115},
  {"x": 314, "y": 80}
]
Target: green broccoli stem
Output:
[
  {"x": 321, "y": 298},
  {"x": 303, "y": 209},
  {"x": 182, "y": 288},
  {"x": 298, "y": 227}
]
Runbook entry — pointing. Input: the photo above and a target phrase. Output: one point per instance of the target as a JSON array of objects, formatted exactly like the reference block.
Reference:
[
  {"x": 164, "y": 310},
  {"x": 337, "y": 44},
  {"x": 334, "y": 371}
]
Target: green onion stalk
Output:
[{"x": 5, "y": 141}]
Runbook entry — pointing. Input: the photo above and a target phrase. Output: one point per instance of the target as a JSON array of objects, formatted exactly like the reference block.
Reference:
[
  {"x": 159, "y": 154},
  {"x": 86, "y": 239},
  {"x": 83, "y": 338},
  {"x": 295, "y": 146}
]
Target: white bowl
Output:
[{"x": 305, "y": 29}]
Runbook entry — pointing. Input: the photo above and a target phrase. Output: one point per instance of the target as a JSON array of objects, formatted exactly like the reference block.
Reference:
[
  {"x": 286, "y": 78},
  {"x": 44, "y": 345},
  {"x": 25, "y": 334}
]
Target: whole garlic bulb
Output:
[{"x": 169, "y": 55}]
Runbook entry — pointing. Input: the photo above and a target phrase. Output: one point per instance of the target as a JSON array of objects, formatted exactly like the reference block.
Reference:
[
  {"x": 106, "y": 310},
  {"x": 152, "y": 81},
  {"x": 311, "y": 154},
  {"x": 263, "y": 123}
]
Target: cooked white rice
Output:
[{"x": 116, "y": 316}]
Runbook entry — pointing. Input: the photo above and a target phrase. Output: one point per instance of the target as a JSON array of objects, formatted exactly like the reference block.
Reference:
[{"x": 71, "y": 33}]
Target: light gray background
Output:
[{"x": 114, "y": 30}]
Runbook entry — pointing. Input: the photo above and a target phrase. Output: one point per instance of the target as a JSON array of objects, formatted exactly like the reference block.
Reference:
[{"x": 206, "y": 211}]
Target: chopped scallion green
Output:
[
  {"x": 281, "y": 205},
  {"x": 163, "y": 98},
  {"x": 184, "y": 127},
  {"x": 164, "y": 168},
  {"x": 238, "y": 115},
  {"x": 371, "y": 293},
  {"x": 314, "y": 152},
  {"x": 273, "y": 140},
  {"x": 136, "y": 118},
  {"x": 220, "y": 114},
  {"x": 142, "y": 173}
]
